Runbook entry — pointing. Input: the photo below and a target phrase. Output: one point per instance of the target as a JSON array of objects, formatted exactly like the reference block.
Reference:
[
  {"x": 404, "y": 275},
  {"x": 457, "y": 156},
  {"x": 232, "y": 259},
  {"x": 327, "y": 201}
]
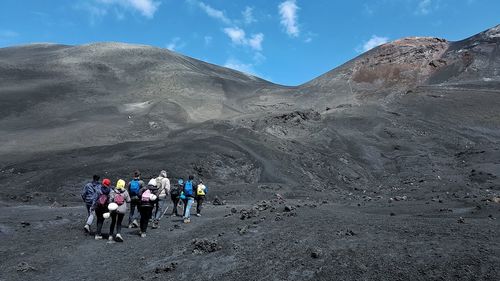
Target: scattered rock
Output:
[
  {"x": 316, "y": 253},
  {"x": 166, "y": 268},
  {"x": 55, "y": 204},
  {"x": 247, "y": 214},
  {"x": 218, "y": 202},
  {"x": 461, "y": 220},
  {"x": 25, "y": 267},
  {"x": 392, "y": 214},
  {"x": 204, "y": 245},
  {"x": 288, "y": 208},
  {"x": 495, "y": 199},
  {"x": 242, "y": 230},
  {"x": 25, "y": 223}
]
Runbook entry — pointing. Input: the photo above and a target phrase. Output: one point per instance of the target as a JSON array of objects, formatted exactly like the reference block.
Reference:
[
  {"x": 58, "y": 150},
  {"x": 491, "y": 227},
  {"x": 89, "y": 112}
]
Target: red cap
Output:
[{"x": 106, "y": 182}]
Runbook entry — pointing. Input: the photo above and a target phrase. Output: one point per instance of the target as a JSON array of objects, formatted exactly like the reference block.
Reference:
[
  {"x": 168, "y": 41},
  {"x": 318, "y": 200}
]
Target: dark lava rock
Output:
[
  {"x": 247, "y": 214},
  {"x": 242, "y": 230},
  {"x": 218, "y": 202},
  {"x": 24, "y": 267},
  {"x": 166, "y": 268},
  {"x": 461, "y": 220},
  {"x": 25, "y": 223},
  {"x": 234, "y": 210},
  {"x": 315, "y": 253},
  {"x": 288, "y": 208},
  {"x": 204, "y": 245}
]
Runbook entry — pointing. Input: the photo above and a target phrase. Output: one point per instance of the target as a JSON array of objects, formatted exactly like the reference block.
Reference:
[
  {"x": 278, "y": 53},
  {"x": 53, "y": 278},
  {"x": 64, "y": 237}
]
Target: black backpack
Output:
[{"x": 175, "y": 191}]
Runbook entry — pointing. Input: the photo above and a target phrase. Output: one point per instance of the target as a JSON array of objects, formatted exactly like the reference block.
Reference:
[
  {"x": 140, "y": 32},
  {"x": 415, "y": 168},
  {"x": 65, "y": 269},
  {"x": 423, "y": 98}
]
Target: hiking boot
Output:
[
  {"x": 87, "y": 228},
  {"x": 143, "y": 235},
  {"x": 155, "y": 225},
  {"x": 110, "y": 238},
  {"x": 130, "y": 226},
  {"x": 118, "y": 238},
  {"x": 198, "y": 215},
  {"x": 187, "y": 220},
  {"x": 135, "y": 223},
  {"x": 98, "y": 237}
]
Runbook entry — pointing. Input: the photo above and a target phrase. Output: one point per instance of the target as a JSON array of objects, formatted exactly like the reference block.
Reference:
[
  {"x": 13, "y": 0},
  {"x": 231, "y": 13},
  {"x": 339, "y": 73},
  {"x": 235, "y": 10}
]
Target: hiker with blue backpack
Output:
[
  {"x": 188, "y": 193},
  {"x": 100, "y": 205},
  {"x": 133, "y": 188},
  {"x": 88, "y": 193},
  {"x": 149, "y": 197},
  {"x": 118, "y": 199}
]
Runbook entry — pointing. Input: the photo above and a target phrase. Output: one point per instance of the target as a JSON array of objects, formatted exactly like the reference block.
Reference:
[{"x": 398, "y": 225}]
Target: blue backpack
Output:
[
  {"x": 134, "y": 187},
  {"x": 188, "y": 189}
]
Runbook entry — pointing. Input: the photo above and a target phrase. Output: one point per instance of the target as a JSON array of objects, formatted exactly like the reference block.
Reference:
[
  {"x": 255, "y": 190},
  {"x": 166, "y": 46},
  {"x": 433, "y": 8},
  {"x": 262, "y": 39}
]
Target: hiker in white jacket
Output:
[{"x": 163, "y": 185}]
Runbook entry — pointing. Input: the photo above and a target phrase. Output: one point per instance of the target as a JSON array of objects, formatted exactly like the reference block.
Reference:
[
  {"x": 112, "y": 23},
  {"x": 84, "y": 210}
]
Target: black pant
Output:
[
  {"x": 185, "y": 202},
  {"x": 118, "y": 223},
  {"x": 199, "y": 203},
  {"x": 175, "y": 199},
  {"x": 134, "y": 204},
  {"x": 100, "y": 219},
  {"x": 146, "y": 212}
]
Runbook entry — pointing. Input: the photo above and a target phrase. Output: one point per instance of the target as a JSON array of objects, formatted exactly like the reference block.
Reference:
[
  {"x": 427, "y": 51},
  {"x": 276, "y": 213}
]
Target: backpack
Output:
[
  {"x": 175, "y": 191},
  {"x": 102, "y": 200},
  {"x": 200, "y": 190},
  {"x": 160, "y": 191},
  {"x": 188, "y": 189},
  {"x": 134, "y": 187},
  {"x": 119, "y": 199},
  {"x": 146, "y": 195}
]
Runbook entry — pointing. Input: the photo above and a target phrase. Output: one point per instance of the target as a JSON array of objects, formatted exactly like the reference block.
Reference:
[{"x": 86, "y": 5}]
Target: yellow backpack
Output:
[{"x": 200, "y": 190}]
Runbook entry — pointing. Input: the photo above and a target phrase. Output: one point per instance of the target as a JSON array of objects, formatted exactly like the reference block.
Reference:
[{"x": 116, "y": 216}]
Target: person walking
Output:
[
  {"x": 88, "y": 193},
  {"x": 175, "y": 193},
  {"x": 189, "y": 194},
  {"x": 120, "y": 197},
  {"x": 100, "y": 205},
  {"x": 201, "y": 192},
  {"x": 148, "y": 200},
  {"x": 163, "y": 185},
  {"x": 133, "y": 188}
]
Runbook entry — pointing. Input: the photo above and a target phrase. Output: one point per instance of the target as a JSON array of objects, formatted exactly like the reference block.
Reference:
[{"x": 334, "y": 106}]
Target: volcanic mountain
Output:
[{"x": 361, "y": 173}]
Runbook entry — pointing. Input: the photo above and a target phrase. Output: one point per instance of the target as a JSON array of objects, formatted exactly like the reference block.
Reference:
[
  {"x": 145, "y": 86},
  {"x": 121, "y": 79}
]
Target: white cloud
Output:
[
  {"x": 255, "y": 42},
  {"x": 214, "y": 13},
  {"x": 374, "y": 42},
  {"x": 100, "y": 8},
  {"x": 175, "y": 44},
  {"x": 236, "y": 34},
  {"x": 424, "y": 7},
  {"x": 248, "y": 15},
  {"x": 238, "y": 37},
  {"x": 208, "y": 40},
  {"x": 288, "y": 13}
]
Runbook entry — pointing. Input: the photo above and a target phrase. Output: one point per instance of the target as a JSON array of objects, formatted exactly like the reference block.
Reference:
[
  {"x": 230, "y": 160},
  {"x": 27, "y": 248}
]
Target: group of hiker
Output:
[{"x": 147, "y": 202}]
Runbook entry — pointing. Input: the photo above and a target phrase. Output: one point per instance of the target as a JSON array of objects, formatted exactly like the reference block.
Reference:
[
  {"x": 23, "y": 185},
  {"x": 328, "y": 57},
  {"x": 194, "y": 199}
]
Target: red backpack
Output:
[
  {"x": 119, "y": 199},
  {"x": 102, "y": 201}
]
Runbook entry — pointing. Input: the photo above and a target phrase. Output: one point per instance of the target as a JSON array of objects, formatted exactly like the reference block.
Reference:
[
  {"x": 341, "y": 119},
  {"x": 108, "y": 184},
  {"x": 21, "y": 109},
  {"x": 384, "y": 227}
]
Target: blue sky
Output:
[{"x": 285, "y": 41}]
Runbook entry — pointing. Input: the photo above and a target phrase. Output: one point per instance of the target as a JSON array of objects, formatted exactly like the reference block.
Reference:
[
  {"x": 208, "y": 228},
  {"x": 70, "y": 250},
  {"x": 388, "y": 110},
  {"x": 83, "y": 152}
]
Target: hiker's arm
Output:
[{"x": 167, "y": 185}]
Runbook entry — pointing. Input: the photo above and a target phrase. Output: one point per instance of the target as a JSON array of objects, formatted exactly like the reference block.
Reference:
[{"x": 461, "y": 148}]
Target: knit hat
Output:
[
  {"x": 106, "y": 182},
  {"x": 120, "y": 184},
  {"x": 163, "y": 173}
]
